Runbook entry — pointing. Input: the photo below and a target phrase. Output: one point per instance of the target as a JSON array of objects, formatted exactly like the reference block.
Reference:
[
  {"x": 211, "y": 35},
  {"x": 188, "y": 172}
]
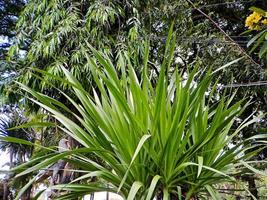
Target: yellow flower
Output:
[
  {"x": 252, "y": 21},
  {"x": 249, "y": 22},
  {"x": 257, "y": 17}
]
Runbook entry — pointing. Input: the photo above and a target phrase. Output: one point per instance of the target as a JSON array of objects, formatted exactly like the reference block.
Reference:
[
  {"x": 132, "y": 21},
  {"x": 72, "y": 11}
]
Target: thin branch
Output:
[
  {"x": 226, "y": 35},
  {"x": 226, "y": 3},
  {"x": 258, "y": 83}
]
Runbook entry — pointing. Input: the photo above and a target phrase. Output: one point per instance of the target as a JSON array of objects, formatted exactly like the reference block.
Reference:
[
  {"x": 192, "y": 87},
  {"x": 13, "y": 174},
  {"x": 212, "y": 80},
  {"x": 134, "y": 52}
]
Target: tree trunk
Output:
[
  {"x": 252, "y": 187},
  {"x": 6, "y": 190},
  {"x": 107, "y": 196},
  {"x": 92, "y": 196}
]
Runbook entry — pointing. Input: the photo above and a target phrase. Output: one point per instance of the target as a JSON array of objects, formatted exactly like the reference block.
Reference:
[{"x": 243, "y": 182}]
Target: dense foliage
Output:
[{"x": 58, "y": 37}]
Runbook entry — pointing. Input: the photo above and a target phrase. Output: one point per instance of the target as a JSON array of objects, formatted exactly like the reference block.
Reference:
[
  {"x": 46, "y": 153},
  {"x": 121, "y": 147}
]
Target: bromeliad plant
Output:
[{"x": 166, "y": 141}]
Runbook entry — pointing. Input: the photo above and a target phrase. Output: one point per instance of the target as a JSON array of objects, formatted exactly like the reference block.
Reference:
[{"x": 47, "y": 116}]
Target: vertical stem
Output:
[
  {"x": 252, "y": 187},
  {"x": 92, "y": 196},
  {"x": 107, "y": 195}
]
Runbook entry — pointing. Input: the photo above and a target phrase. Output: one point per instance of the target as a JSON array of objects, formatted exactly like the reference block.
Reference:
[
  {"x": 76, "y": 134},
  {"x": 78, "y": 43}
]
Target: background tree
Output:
[
  {"x": 12, "y": 116},
  {"x": 9, "y": 13}
]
